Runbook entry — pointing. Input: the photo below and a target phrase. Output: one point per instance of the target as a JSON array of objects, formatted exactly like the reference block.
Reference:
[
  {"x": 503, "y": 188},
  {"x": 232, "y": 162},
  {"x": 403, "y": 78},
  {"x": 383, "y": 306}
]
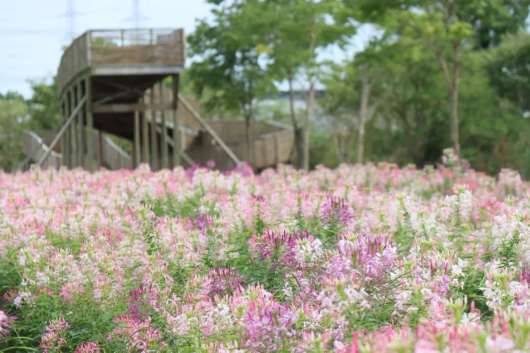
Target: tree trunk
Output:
[
  {"x": 365, "y": 97},
  {"x": 247, "y": 133},
  {"x": 249, "y": 117},
  {"x": 453, "y": 112},
  {"x": 298, "y": 149},
  {"x": 309, "y": 113}
]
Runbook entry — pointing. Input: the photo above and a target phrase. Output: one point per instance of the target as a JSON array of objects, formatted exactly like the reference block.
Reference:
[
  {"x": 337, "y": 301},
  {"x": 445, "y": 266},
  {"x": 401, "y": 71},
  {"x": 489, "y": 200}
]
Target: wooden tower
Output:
[
  {"x": 113, "y": 81},
  {"x": 125, "y": 83}
]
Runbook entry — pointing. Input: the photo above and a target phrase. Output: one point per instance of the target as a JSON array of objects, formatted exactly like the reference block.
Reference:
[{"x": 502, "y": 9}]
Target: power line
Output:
[
  {"x": 70, "y": 14},
  {"x": 28, "y": 31},
  {"x": 136, "y": 16},
  {"x": 136, "y": 13}
]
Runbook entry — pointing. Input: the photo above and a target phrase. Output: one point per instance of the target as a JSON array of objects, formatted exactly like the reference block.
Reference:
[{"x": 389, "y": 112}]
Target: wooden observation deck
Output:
[{"x": 125, "y": 83}]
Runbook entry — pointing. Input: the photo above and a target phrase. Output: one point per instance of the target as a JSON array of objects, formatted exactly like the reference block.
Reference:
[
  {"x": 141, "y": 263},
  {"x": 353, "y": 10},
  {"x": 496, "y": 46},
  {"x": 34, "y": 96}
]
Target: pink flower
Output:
[
  {"x": 88, "y": 347},
  {"x": 423, "y": 346}
]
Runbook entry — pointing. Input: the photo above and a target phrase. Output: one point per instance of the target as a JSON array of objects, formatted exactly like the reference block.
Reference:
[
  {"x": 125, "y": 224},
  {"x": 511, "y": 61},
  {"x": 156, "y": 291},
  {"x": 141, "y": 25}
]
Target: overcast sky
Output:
[{"x": 32, "y": 32}]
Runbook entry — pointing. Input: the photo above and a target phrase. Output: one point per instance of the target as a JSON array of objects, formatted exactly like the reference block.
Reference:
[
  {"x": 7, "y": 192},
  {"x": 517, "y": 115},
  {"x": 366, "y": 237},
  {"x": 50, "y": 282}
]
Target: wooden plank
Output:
[
  {"x": 80, "y": 124},
  {"x": 176, "y": 133},
  {"x": 163, "y": 147},
  {"x": 63, "y": 138},
  {"x": 73, "y": 132},
  {"x": 145, "y": 138},
  {"x": 126, "y": 108},
  {"x": 154, "y": 144},
  {"x": 64, "y": 128},
  {"x": 89, "y": 123},
  {"x": 137, "y": 142},
  {"x": 207, "y": 127},
  {"x": 68, "y": 142},
  {"x": 100, "y": 149},
  {"x": 132, "y": 69}
]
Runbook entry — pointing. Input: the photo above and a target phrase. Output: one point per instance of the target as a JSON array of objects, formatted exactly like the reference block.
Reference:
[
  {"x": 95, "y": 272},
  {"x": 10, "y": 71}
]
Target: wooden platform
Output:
[{"x": 126, "y": 52}]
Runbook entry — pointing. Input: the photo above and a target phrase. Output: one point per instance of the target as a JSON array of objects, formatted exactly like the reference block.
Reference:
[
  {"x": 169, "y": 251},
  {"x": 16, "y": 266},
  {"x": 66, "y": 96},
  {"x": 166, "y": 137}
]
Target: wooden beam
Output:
[
  {"x": 80, "y": 124},
  {"x": 89, "y": 123},
  {"x": 127, "y": 107},
  {"x": 64, "y": 115},
  {"x": 171, "y": 143},
  {"x": 122, "y": 70},
  {"x": 118, "y": 95},
  {"x": 163, "y": 147},
  {"x": 73, "y": 132},
  {"x": 145, "y": 138},
  {"x": 61, "y": 132},
  {"x": 137, "y": 142},
  {"x": 100, "y": 149},
  {"x": 207, "y": 127},
  {"x": 176, "y": 132},
  {"x": 68, "y": 142},
  {"x": 154, "y": 144}
]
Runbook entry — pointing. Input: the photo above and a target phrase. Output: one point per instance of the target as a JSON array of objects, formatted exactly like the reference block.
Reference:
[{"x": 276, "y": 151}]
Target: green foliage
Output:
[
  {"x": 229, "y": 71},
  {"x": 44, "y": 108},
  {"x": 13, "y": 121}
]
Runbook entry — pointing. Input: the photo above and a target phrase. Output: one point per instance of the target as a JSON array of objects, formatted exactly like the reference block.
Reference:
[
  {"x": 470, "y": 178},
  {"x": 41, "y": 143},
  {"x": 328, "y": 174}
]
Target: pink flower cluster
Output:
[
  {"x": 4, "y": 324},
  {"x": 356, "y": 259}
]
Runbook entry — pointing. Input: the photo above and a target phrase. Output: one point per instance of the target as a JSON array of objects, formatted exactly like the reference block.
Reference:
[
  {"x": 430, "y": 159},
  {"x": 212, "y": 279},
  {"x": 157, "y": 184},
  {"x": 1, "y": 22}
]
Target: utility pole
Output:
[
  {"x": 70, "y": 15},
  {"x": 136, "y": 18}
]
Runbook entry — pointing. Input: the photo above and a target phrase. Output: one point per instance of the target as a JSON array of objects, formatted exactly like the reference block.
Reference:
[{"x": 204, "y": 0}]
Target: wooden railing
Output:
[
  {"x": 113, "y": 157},
  {"x": 35, "y": 147},
  {"x": 267, "y": 151},
  {"x": 124, "y": 47}
]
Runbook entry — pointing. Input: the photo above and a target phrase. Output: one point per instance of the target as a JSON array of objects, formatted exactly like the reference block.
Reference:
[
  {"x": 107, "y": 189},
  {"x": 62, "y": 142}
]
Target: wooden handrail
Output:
[{"x": 207, "y": 127}]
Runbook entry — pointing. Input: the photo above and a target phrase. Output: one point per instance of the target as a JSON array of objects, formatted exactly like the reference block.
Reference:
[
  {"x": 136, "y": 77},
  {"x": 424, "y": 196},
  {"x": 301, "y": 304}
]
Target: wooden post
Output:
[
  {"x": 137, "y": 142},
  {"x": 67, "y": 141},
  {"x": 63, "y": 138},
  {"x": 154, "y": 144},
  {"x": 176, "y": 131},
  {"x": 89, "y": 124},
  {"x": 145, "y": 138},
  {"x": 164, "y": 148},
  {"x": 80, "y": 124},
  {"x": 73, "y": 132},
  {"x": 100, "y": 149}
]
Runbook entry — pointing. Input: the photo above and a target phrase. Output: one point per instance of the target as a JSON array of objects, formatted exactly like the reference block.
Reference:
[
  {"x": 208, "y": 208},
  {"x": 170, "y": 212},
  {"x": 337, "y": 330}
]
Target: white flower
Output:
[
  {"x": 499, "y": 344},
  {"x": 462, "y": 263},
  {"x": 456, "y": 271},
  {"x": 234, "y": 255}
]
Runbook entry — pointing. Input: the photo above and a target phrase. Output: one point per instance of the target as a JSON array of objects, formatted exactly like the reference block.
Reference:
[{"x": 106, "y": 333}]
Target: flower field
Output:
[{"x": 359, "y": 259}]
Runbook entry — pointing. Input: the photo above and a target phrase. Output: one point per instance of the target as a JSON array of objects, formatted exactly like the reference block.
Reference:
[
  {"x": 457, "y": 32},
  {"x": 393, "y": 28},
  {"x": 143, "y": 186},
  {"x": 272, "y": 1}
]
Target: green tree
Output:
[
  {"x": 228, "y": 60},
  {"x": 507, "y": 68},
  {"x": 302, "y": 28},
  {"x": 13, "y": 121},
  {"x": 490, "y": 28},
  {"x": 44, "y": 106},
  {"x": 10, "y": 95},
  {"x": 445, "y": 26}
]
